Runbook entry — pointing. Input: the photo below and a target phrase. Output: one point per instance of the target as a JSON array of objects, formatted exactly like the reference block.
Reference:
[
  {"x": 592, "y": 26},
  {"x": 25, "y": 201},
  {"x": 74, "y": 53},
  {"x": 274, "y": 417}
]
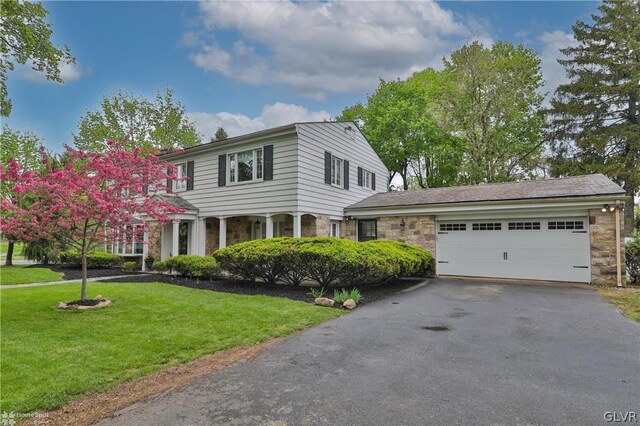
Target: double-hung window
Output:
[
  {"x": 181, "y": 183},
  {"x": 366, "y": 179},
  {"x": 246, "y": 166},
  {"x": 336, "y": 171}
]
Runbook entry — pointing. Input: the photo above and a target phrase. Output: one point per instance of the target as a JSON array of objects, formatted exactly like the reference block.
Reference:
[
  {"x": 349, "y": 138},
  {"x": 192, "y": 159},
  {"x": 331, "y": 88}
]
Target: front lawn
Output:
[
  {"x": 50, "y": 356},
  {"x": 627, "y": 299},
  {"x": 24, "y": 274},
  {"x": 17, "y": 250}
]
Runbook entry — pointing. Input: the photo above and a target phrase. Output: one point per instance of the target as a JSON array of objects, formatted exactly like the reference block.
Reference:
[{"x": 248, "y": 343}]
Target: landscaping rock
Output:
[
  {"x": 349, "y": 304},
  {"x": 324, "y": 301},
  {"x": 85, "y": 304},
  {"x": 61, "y": 305}
]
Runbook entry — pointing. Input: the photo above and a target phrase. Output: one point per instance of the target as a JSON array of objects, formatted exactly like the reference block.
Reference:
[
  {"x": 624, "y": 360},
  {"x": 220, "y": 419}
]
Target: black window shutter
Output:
[
  {"x": 190, "y": 173},
  {"x": 222, "y": 170},
  {"x": 346, "y": 174},
  {"x": 169, "y": 181},
  {"x": 267, "y": 162},
  {"x": 359, "y": 176},
  {"x": 327, "y": 167},
  {"x": 373, "y": 181},
  {"x": 145, "y": 189}
]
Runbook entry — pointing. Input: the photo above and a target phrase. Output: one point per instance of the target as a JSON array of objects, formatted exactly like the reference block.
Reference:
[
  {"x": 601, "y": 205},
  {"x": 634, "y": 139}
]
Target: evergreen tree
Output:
[
  {"x": 595, "y": 118},
  {"x": 220, "y": 135}
]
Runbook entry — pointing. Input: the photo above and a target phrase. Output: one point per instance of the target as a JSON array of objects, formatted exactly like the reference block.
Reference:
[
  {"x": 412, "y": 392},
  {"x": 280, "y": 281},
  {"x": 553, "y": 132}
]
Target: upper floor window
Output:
[
  {"x": 366, "y": 179},
  {"x": 336, "y": 171},
  {"x": 246, "y": 166},
  {"x": 181, "y": 183}
]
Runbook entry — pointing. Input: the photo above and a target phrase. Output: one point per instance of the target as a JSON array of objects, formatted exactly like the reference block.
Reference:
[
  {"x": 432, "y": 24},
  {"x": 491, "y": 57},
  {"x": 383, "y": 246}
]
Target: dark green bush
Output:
[
  {"x": 192, "y": 266},
  {"x": 160, "y": 266},
  {"x": 632, "y": 258},
  {"x": 328, "y": 261},
  {"x": 95, "y": 259}
]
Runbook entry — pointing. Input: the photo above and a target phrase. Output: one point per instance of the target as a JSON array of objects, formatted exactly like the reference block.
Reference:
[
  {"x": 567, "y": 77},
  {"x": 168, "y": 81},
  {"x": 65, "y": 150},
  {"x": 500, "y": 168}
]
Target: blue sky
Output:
[{"x": 247, "y": 66}]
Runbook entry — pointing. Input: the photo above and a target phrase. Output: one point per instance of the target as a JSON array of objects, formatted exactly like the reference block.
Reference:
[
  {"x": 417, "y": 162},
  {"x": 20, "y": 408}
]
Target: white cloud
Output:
[
  {"x": 319, "y": 47},
  {"x": 553, "y": 72},
  {"x": 68, "y": 72},
  {"x": 239, "y": 124}
]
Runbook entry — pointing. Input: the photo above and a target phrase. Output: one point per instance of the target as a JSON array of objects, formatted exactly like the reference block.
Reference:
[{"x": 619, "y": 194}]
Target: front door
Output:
[{"x": 183, "y": 238}]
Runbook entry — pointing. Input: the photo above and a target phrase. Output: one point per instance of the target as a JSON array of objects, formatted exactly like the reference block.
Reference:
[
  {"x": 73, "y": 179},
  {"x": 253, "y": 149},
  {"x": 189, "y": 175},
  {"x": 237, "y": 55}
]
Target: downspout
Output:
[{"x": 618, "y": 259}]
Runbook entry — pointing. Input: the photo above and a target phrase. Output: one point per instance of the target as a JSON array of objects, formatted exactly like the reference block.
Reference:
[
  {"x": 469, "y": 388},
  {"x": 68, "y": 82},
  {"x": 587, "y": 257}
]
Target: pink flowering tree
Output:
[{"x": 89, "y": 200}]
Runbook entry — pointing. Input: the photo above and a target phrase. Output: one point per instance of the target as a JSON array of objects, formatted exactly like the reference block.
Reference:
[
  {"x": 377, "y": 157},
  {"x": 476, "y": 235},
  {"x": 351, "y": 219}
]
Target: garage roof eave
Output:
[{"x": 471, "y": 205}]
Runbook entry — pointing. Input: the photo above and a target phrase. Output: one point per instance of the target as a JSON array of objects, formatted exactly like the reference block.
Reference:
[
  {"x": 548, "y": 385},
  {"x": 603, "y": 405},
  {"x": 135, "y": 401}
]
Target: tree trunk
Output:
[
  {"x": 629, "y": 211},
  {"x": 83, "y": 292},
  {"x": 8, "y": 260}
]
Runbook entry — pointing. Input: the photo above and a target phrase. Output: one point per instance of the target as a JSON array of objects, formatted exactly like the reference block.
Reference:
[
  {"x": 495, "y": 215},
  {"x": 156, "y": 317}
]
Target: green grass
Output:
[
  {"x": 50, "y": 356},
  {"x": 17, "y": 250},
  {"x": 627, "y": 299},
  {"x": 23, "y": 274}
]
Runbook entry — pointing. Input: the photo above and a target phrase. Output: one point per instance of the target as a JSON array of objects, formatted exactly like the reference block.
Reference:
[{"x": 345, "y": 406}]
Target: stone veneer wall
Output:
[
  {"x": 602, "y": 237},
  {"x": 418, "y": 230},
  {"x": 316, "y": 226},
  {"x": 154, "y": 231}
]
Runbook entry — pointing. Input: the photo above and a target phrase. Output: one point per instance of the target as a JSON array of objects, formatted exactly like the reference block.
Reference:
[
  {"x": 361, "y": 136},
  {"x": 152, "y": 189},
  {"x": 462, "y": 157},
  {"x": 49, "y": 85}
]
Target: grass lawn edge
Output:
[
  {"x": 627, "y": 299},
  {"x": 107, "y": 404}
]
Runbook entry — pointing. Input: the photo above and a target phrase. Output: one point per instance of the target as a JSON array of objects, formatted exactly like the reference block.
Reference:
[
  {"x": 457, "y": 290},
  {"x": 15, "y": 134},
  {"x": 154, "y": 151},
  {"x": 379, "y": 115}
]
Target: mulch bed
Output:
[
  {"x": 71, "y": 273},
  {"x": 370, "y": 293}
]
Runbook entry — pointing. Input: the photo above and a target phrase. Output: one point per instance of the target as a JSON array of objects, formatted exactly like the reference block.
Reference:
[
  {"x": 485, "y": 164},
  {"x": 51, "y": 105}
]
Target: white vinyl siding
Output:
[{"x": 314, "y": 194}]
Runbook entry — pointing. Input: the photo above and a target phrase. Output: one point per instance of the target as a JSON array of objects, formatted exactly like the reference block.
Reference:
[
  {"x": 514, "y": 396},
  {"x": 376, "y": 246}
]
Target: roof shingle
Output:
[{"x": 576, "y": 186}]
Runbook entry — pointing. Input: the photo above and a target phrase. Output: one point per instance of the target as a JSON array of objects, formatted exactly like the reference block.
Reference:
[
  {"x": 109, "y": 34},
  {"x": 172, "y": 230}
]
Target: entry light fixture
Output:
[
  {"x": 607, "y": 207},
  {"x": 257, "y": 222},
  {"x": 402, "y": 223}
]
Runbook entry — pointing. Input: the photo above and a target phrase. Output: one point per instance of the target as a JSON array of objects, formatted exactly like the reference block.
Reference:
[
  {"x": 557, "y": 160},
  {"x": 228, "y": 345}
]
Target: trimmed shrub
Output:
[
  {"x": 328, "y": 261},
  {"x": 632, "y": 258},
  {"x": 131, "y": 266},
  {"x": 95, "y": 259},
  {"x": 160, "y": 266},
  {"x": 412, "y": 260},
  {"x": 192, "y": 266}
]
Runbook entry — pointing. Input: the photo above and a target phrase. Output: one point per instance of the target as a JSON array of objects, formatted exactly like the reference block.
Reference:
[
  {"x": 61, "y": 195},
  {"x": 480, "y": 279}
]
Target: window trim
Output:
[
  {"x": 535, "y": 225},
  {"x": 335, "y": 224},
  {"x": 136, "y": 240},
  {"x": 563, "y": 225},
  {"x": 181, "y": 184},
  {"x": 337, "y": 171},
  {"x": 486, "y": 226},
  {"x": 257, "y": 168},
  {"x": 366, "y": 179},
  {"x": 360, "y": 237},
  {"x": 452, "y": 227}
]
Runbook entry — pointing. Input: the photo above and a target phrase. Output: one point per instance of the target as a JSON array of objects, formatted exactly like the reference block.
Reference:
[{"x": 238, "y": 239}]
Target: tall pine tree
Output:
[{"x": 595, "y": 118}]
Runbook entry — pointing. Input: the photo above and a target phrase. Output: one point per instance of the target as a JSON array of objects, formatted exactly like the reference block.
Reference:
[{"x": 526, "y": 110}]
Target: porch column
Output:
[
  {"x": 223, "y": 232},
  {"x": 202, "y": 237},
  {"x": 297, "y": 225},
  {"x": 145, "y": 249},
  {"x": 269, "y": 226},
  {"x": 174, "y": 237}
]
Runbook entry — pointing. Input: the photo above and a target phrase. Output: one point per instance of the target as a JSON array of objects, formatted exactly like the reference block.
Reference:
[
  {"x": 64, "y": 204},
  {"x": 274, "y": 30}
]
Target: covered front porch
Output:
[{"x": 193, "y": 234}]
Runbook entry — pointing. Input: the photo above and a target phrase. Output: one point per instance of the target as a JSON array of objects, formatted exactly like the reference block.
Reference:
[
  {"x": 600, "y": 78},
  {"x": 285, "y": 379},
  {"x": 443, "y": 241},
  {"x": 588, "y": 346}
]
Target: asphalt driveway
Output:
[{"x": 504, "y": 354}]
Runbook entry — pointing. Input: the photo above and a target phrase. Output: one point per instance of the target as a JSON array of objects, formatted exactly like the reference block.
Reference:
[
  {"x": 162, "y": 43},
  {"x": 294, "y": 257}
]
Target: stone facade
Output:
[
  {"x": 602, "y": 237},
  {"x": 417, "y": 230},
  {"x": 319, "y": 226},
  {"x": 154, "y": 232}
]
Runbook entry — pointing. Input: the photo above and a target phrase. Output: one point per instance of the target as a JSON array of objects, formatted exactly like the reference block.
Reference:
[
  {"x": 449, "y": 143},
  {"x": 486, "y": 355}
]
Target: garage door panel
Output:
[{"x": 543, "y": 251}]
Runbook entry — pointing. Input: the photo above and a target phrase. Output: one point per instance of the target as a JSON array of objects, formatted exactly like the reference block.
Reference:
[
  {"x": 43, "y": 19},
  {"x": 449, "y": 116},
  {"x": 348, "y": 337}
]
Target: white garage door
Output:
[{"x": 554, "y": 249}]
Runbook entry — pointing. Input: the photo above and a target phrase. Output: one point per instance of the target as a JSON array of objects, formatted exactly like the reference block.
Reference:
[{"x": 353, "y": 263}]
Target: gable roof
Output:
[
  {"x": 576, "y": 186},
  {"x": 287, "y": 128},
  {"x": 176, "y": 201}
]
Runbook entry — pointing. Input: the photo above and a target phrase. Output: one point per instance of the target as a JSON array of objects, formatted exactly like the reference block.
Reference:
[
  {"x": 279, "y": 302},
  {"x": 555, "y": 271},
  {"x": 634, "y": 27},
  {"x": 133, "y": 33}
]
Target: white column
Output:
[
  {"x": 297, "y": 225},
  {"x": 174, "y": 237},
  {"x": 223, "y": 233},
  {"x": 202, "y": 237},
  {"x": 145, "y": 249},
  {"x": 269, "y": 225}
]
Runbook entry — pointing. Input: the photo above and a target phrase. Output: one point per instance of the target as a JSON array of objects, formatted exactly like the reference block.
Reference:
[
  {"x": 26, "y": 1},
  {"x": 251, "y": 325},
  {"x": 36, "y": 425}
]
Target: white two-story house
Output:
[
  {"x": 293, "y": 180},
  {"x": 324, "y": 179}
]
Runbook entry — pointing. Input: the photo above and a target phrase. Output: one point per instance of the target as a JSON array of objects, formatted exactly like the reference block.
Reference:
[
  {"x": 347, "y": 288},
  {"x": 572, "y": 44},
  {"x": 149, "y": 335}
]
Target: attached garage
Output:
[
  {"x": 554, "y": 248},
  {"x": 566, "y": 229}
]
